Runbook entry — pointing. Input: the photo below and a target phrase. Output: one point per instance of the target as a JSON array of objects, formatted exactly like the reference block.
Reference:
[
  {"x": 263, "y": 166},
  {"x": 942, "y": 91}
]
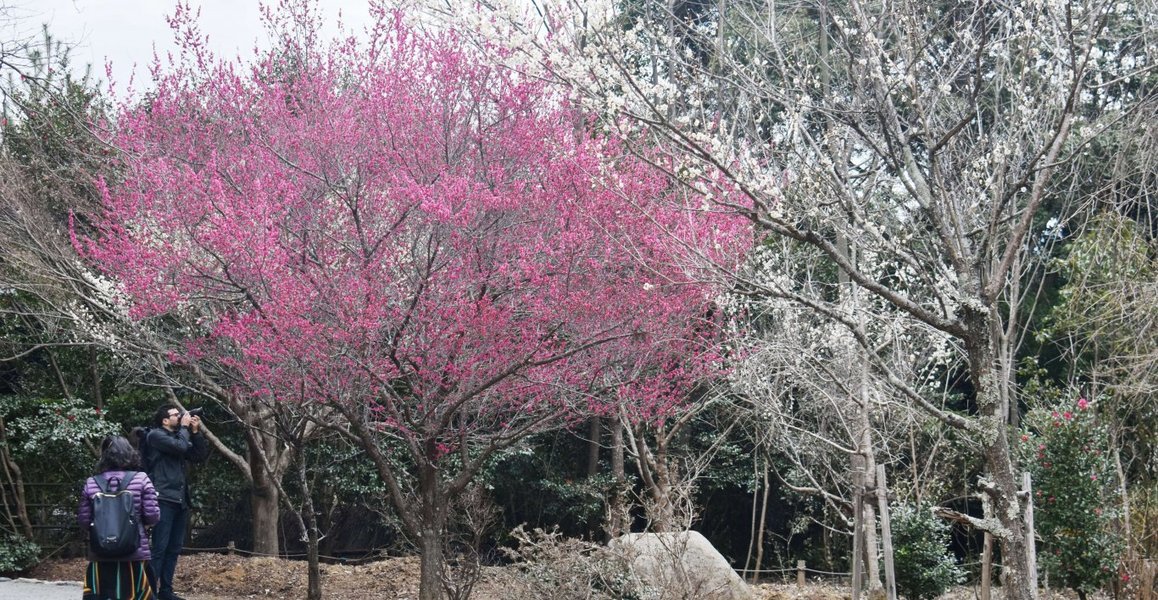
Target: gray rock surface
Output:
[
  {"x": 684, "y": 564},
  {"x": 27, "y": 589}
]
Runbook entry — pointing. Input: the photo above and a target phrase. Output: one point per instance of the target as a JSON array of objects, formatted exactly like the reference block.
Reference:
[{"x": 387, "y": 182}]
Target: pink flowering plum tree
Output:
[{"x": 433, "y": 251}]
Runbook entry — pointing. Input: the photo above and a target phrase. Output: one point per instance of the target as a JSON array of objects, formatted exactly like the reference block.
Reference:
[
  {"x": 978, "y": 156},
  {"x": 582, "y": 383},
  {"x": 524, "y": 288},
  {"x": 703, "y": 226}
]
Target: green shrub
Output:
[
  {"x": 925, "y": 567},
  {"x": 17, "y": 554}
]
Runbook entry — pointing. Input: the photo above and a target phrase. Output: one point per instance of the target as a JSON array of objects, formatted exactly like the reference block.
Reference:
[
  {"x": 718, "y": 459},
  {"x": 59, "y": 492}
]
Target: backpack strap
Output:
[
  {"x": 126, "y": 480},
  {"x": 122, "y": 485}
]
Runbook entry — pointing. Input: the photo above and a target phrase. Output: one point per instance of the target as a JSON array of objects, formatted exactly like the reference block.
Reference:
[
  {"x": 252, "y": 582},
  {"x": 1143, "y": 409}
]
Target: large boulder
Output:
[{"x": 682, "y": 564}]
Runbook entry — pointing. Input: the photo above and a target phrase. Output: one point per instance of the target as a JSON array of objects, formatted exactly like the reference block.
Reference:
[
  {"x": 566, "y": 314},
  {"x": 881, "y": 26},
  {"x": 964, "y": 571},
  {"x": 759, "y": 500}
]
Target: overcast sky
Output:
[{"x": 125, "y": 32}]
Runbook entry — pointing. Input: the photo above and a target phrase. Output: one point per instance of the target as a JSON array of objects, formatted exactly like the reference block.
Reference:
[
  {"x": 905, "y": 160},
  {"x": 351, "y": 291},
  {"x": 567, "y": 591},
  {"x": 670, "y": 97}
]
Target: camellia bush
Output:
[{"x": 1067, "y": 453}]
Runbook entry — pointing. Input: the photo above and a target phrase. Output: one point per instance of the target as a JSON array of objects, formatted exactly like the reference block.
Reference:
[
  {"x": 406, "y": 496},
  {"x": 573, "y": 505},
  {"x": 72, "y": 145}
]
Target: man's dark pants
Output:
[{"x": 168, "y": 539}]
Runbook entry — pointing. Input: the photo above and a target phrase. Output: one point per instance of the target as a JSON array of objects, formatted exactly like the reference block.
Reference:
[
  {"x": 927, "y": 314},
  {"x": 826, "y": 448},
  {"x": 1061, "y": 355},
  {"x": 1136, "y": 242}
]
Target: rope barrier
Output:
[
  {"x": 794, "y": 570},
  {"x": 285, "y": 555}
]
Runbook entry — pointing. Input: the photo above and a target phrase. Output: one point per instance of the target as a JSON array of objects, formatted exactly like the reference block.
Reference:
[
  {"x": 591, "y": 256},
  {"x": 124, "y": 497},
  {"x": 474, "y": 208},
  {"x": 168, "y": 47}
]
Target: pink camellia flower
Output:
[{"x": 1083, "y": 404}]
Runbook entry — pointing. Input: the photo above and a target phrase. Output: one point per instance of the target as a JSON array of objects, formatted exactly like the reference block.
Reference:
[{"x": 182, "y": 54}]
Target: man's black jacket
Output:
[{"x": 168, "y": 451}]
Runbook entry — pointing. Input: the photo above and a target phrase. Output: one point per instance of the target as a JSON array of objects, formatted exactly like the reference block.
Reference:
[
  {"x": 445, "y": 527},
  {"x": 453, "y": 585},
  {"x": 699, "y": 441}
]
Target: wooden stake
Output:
[
  {"x": 858, "y": 464},
  {"x": 986, "y": 552},
  {"x": 1030, "y": 548},
  {"x": 886, "y": 534}
]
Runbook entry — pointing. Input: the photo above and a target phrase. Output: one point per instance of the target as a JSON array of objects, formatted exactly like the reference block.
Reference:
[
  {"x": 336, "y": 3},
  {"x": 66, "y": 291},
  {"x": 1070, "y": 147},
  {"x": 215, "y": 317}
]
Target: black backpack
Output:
[
  {"x": 114, "y": 532},
  {"x": 142, "y": 435}
]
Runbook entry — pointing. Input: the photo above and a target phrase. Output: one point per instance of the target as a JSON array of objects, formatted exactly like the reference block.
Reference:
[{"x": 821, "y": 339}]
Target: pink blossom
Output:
[
  {"x": 407, "y": 231},
  {"x": 1068, "y": 415},
  {"x": 1083, "y": 404}
]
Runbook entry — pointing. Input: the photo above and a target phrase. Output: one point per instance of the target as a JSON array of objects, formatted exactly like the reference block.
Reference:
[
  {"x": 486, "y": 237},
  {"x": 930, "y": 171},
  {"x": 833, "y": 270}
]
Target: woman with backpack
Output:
[{"x": 116, "y": 506}]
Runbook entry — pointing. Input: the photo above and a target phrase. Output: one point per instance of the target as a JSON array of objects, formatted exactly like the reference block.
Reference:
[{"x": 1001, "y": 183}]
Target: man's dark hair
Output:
[
  {"x": 117, "y": 454},
  {"x": 162, "y": 413}
]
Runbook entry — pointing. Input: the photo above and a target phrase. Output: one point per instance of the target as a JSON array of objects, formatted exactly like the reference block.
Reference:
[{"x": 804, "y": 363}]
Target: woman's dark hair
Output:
[{"x": 117, "y": 454}]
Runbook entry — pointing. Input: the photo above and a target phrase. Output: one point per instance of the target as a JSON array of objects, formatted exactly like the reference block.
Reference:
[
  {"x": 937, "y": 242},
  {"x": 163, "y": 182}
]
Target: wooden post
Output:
[
  {"x": 1030, "y": 548},
  {"x": 800, "y": 573},
  {"x": 987, "y": 554},
  {"x": 886, "y": 534},
  {"x": 858, "y": 465}
]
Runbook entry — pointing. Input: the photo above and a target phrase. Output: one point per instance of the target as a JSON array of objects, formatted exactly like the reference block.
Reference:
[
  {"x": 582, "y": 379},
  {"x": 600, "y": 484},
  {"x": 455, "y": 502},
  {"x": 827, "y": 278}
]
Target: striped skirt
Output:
[{"x": 118, "y": 580}]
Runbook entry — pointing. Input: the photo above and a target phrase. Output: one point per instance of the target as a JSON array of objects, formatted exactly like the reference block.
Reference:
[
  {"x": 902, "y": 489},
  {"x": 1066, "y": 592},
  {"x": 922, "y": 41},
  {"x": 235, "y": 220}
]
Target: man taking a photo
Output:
[{"x": 175, "y": 439}]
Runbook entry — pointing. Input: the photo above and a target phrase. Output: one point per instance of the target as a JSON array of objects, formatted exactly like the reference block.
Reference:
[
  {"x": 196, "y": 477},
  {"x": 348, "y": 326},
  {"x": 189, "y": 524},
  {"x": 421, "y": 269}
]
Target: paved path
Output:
[{"x": 28, "y": 589}]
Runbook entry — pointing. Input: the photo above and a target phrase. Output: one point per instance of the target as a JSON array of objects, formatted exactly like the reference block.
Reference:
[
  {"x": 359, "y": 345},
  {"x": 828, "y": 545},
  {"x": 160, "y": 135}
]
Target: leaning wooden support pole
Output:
[
  {"x": 986, "y": 565},
  {"x": 986, "y": 552},
  {"x": 1030, "y": 548},
  {"x": 886, "y": 534},
  {"x": 858, "y": 465}
]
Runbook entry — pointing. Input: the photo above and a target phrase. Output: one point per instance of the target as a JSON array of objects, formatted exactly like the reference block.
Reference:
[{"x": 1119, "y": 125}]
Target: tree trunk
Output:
[
  {"x": 266, "y": 513},
  {"x": 872, "y": 580},
  {"x": 314, "y": 569},
  {"x": 15, "y": 479},
  {"x": 661, "y": 491},
  {"x": 763, "y": 527},
  {"x": 1003, "y": 485},
  {"x": 430, "y": 536},
  {"x": 595, "y": 438},
  {"x": 655, "y": 473},
  {"x": 616, "y": 505},
  {"x": 755, "y": 519},
  {"x": 95, "y": 373},
  {"x": 266, "y": 459},
  {"x": 862, "y": 396}
]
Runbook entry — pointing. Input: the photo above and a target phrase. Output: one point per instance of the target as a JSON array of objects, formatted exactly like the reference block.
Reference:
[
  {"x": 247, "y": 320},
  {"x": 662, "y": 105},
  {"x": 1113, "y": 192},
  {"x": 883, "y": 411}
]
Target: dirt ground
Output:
[{"x": 233, "y": 577}]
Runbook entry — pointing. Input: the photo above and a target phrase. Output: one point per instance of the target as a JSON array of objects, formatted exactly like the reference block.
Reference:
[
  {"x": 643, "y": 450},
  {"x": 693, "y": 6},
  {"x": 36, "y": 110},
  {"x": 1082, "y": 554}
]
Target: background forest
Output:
[{"x": 601, "y": 268}]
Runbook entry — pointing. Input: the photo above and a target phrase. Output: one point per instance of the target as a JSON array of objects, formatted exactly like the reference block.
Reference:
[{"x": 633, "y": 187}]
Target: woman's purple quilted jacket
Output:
[{"x": 144, "y": 502}]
